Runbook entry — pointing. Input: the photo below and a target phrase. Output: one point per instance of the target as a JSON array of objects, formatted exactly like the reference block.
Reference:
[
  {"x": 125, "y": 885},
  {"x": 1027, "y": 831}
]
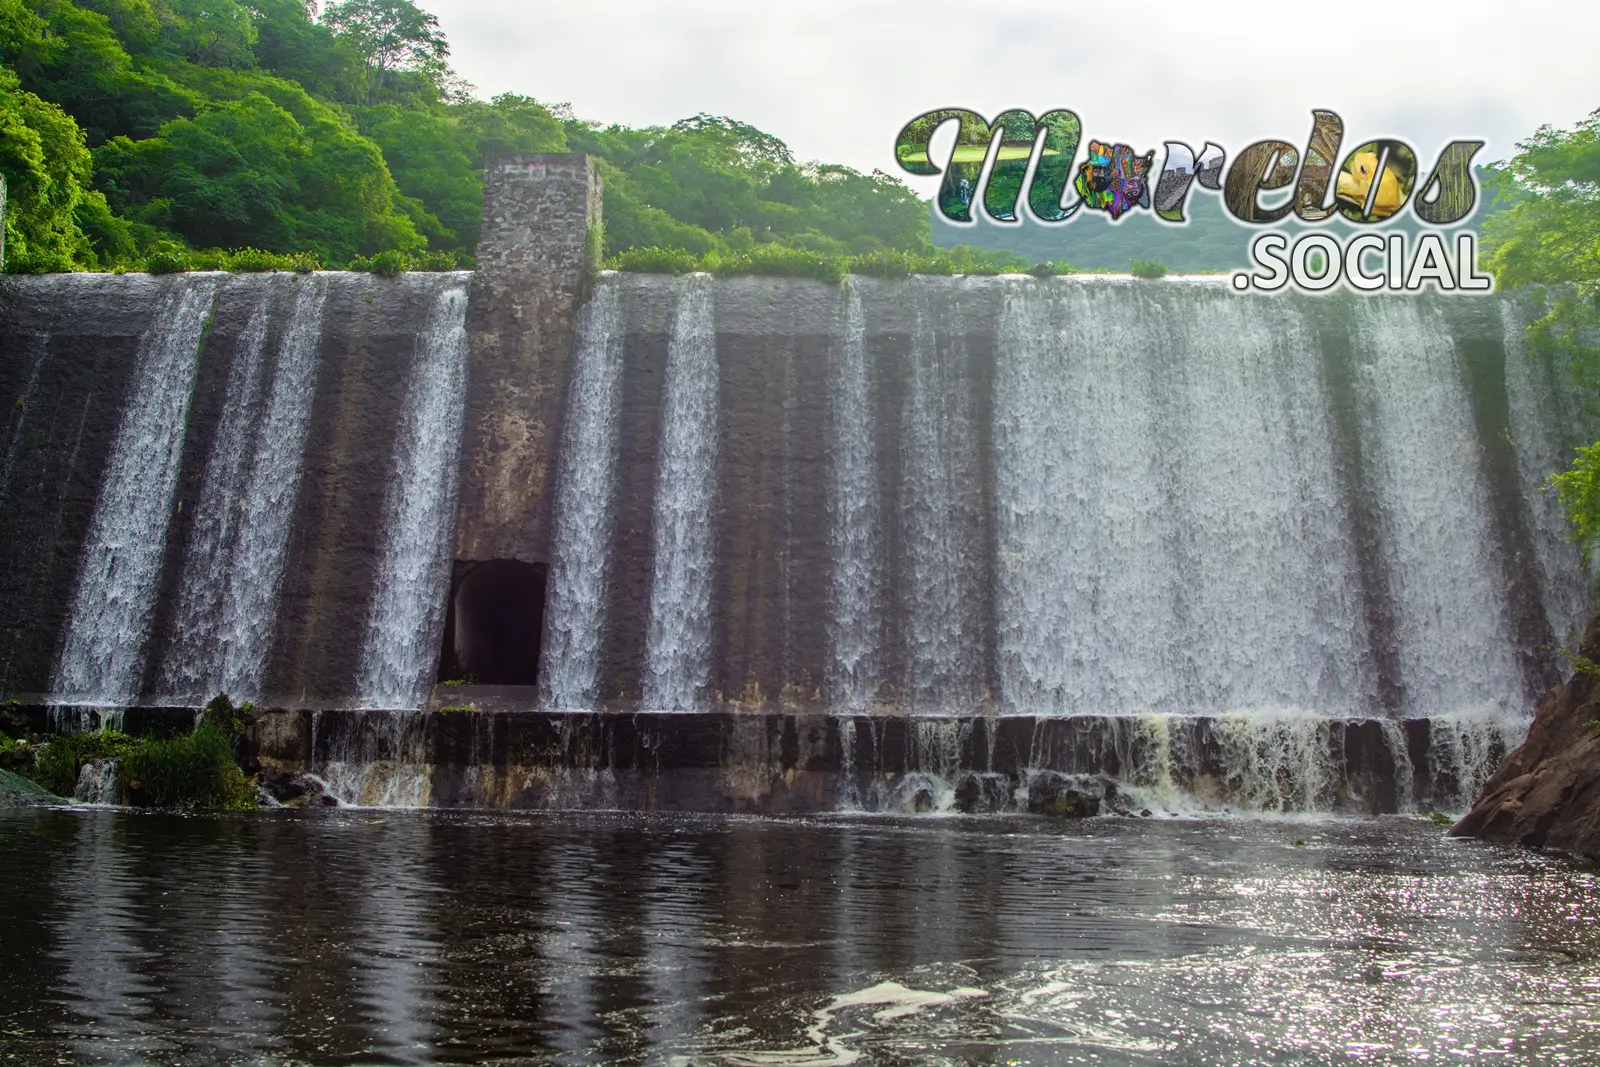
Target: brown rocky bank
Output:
[{"x": 1547, "y": 793}]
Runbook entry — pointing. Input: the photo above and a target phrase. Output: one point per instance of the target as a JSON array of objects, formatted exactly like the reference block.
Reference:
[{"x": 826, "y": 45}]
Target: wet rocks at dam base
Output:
[
  {"x": 1547, "y": 792},
  {"x": 788, "y": 763}
]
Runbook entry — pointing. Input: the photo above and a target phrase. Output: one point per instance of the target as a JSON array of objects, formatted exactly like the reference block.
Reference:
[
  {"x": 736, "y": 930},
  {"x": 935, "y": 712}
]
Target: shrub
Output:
[
  {"x": 254, "y": 261},
  {"x": 654, "y": 261},
  {"x": 56, "y": 764},
  {"x": 196, "y": 771},
  {"x": 387, "y": 264},
  {"x": 778, "y": 261},
  {"x": 1148, "y": 269},
  {"x": 167, "y": 263},
  {"x": 433, "y": 261}
]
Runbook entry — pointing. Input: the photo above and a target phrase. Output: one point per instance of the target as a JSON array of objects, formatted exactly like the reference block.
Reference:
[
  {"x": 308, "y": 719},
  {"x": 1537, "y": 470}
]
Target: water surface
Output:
[{"x": 352, "y": 936}]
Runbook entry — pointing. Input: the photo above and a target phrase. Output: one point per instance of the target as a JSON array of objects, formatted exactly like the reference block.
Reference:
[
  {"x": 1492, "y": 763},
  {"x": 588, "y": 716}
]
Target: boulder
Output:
[
  {"x": 1064, "y": 796},
  {"x": 295, "y": 789},
  {"x": 18, "y": 792},
  {"x": 1547, "y": 793}
]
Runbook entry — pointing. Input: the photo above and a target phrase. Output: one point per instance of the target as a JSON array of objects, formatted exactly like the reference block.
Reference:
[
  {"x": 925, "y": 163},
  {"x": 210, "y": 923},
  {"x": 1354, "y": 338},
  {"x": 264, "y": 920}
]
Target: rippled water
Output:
[{"x": 346, "y": 936}]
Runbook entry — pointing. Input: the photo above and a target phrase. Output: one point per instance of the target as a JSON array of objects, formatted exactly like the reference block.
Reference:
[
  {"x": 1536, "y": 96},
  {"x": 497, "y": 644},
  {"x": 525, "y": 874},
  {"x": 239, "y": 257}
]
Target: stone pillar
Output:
[{"x": 537, "y": 254}]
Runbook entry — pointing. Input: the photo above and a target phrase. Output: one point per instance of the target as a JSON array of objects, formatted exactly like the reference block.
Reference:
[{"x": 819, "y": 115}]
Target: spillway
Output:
[{"x": 902, "y": 543}]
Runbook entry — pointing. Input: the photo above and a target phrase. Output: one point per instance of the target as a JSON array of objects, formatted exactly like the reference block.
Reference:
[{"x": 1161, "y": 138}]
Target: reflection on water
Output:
[{"x": 337, "y": 937}]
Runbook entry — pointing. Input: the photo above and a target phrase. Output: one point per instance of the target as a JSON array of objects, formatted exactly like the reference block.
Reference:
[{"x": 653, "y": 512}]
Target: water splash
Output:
[
  {"x": 403, "y": 624},
  {"x": 97, "y": 782},
  {"x": 678, "y": 644},
  {"x": 373, "y": 758},
  {"x": 580, "y": 563},
  {"x": 1464, "y": 751},
  {"x": 103, "y": 654}
]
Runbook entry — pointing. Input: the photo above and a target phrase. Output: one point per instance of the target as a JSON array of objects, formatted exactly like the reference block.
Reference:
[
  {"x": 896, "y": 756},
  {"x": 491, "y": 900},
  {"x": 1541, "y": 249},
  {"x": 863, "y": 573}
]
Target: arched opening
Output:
[{"x": 498, "y": 616}]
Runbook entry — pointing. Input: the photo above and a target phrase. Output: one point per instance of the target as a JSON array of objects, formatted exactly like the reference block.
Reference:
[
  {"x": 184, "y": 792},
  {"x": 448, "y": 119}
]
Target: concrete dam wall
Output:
[{"x": 1212, "y": 534}]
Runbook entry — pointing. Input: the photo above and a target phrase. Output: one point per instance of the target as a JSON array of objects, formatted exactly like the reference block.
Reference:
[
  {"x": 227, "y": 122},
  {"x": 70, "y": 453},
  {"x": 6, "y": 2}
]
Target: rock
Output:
[
  {"x": 1063, "y": 796},
  {"x": 98, "y": 782},
  {"x": 1547, "y": 793},
  {"x": 983, "y": 794},
  {"x": 295, "y": 789},
  {"x": 18, "y": 792}
]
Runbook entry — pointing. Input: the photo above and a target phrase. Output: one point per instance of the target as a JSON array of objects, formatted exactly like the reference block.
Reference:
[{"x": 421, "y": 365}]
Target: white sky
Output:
[{"x": 836, "y": 79}]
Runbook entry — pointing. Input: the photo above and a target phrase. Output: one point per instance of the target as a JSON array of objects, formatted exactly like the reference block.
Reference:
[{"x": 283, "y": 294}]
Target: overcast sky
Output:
[{"x": 836, "y": 79}]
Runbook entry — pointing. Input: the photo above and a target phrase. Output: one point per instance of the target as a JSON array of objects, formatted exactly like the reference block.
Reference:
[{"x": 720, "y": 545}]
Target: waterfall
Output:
[
  {"x": 585, "y": 509},
  {"x": 235, "y": 558},
  {"x": 1543, "y": 447},
  {"x": 401, "y": 644},
  {"x": 940, "y": 483},
  {"x": 856, "y": 523},
  {"x": 1447, "y": 591},
  {"x": 102, "y": 654},
  {"x": 1169, "y": 529},
  {"x": 678, "y": 644}
]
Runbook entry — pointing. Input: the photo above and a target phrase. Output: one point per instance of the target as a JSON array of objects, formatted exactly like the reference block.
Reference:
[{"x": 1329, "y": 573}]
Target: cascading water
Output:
[
  {"x": 1169, "y": 531},
  {"x": 585, "y": 510},
  {"x": 677, "y": 648},
  {"x": 234, "y": 564},
  {"x": 1543, "y": 445},
  {"x": 406, "y": 615},
  {"x": 1447, "y": 592},
  {"x": 857, "y": 517},
  {"x": 939, "y": 518},
  {"x": 103, "y": 654}
]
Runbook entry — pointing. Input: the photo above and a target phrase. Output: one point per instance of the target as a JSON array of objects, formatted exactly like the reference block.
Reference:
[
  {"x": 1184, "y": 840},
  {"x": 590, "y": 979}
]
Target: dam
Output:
[{"x": 539, "y": 535}]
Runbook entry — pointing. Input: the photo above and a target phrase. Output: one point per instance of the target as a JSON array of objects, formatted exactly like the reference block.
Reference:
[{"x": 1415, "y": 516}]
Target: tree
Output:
[
  {"x": 1550, "y": 233},
  {"x": 46, "y": 166},
  {"x": 391, "y": 36},
  {"x": 249, "y": 173}
]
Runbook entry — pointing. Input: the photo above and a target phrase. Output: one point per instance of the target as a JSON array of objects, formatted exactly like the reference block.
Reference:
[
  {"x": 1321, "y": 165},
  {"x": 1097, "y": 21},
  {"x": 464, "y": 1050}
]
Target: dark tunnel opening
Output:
[{"x": 497, "y": 617}]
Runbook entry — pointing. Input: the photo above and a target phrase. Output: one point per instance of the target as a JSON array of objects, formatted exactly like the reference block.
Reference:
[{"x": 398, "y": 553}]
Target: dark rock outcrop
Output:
[{"x": 1547, "y": 793}]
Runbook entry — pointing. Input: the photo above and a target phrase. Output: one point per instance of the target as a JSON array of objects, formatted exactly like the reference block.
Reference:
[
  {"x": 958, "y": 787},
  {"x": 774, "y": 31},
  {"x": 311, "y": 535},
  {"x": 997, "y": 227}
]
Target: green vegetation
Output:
[
  {"x": 1148, "y": 269},
  {"x": 1549, "y": 233},
  {"x": 56, "y": 764},
  {"x": 793, "y": 262},
  {"x": 150, "y": 134},
  {"x": 195, "y": 771}
]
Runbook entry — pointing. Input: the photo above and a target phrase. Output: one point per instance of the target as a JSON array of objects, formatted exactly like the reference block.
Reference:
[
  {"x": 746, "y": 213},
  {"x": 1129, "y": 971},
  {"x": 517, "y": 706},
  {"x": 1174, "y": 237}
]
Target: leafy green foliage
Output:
[
  {"x": 142, "y": 130},
  {"x": 248, "y": 173},
  {"x": 195, "y": 771},
  {"x": 1550, "y": 233},
  {"x": 1148, "y": 269},
  {"x": 1579, "y": 489},
  {"x": 46, "y": 165},
  {"x": 241, "y": 261},
  {"x": 57, "y": 763},
  {"x": 778, "y": 260},
  {"x": 392, "y": 37},
  {"x": 1551, "y": 230}
]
